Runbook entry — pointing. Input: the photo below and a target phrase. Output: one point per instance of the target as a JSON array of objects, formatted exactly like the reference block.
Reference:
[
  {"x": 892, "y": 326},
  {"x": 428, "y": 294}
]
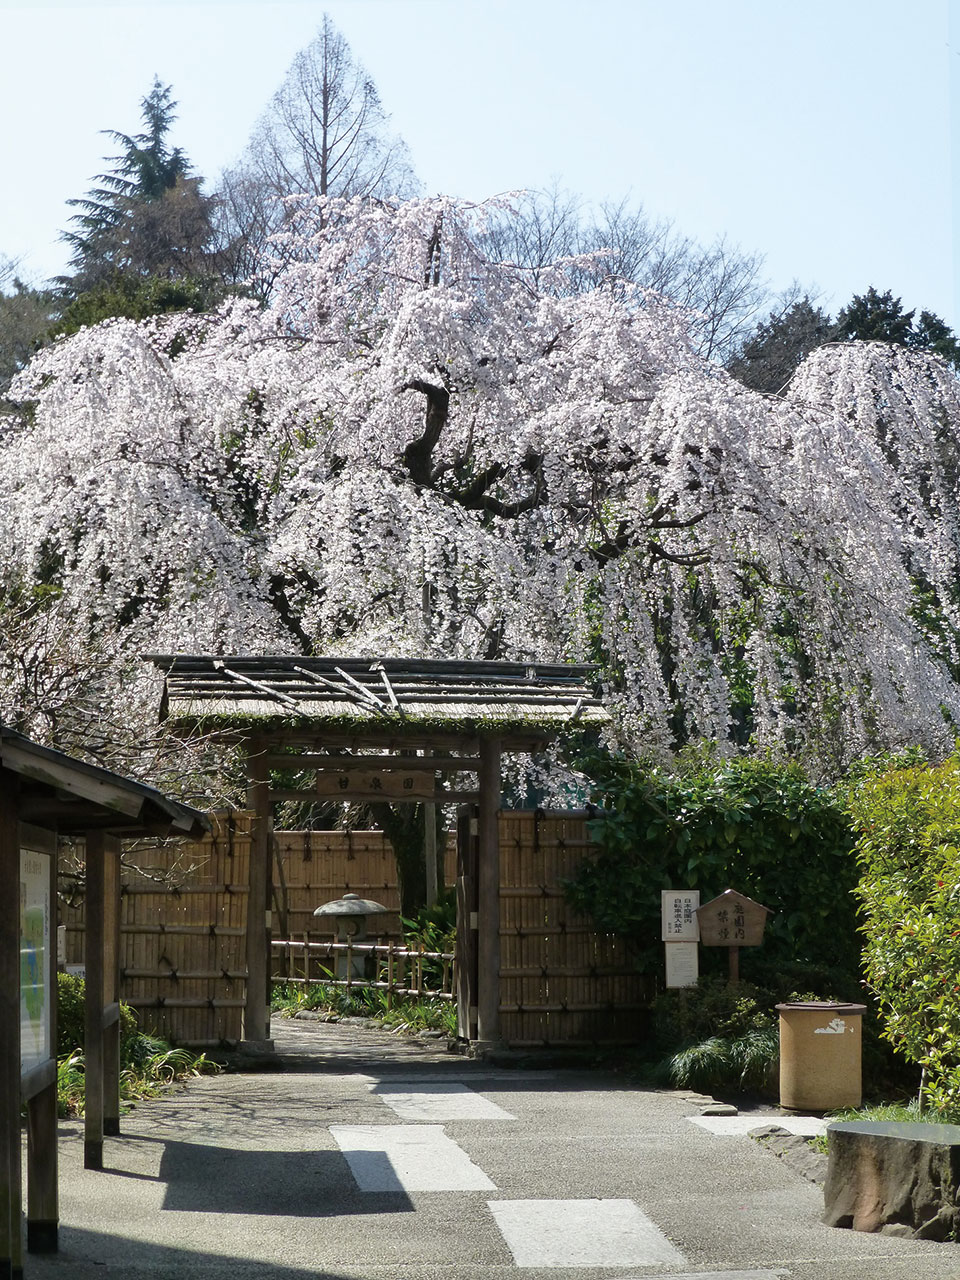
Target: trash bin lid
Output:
[{"x": 822, "y": 1006}]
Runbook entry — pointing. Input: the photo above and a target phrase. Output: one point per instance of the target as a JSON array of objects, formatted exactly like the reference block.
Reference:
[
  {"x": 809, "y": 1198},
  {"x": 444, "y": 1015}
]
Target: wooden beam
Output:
[
  {"x": 488, "y": 896},
  {"x": 93, "y": 957},
  {"x": 341, "y": 764},
  {"x": 466, "y": 972},
  {"x": 256, "y": 1014},
  {"x": 43, "y": 1205},
  {"x": 110, "y": 1012},
  {"x": 11, "y": 1191}
]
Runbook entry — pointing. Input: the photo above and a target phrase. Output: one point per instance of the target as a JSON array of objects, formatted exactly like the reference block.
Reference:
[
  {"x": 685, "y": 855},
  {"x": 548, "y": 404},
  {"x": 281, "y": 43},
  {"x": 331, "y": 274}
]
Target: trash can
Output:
[{"x": 820, "y": 1055}]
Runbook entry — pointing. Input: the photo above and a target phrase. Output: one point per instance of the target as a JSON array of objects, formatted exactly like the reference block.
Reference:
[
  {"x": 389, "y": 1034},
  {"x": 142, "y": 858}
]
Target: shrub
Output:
[
  {"x": 752, "y": 824},
  {"x": 908, "y": 824}
]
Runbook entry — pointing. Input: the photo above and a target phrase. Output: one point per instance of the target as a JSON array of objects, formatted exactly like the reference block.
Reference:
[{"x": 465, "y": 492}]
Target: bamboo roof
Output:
[
  {"x": 384, "y": 695},
  {"x": 74, "y": 797}
]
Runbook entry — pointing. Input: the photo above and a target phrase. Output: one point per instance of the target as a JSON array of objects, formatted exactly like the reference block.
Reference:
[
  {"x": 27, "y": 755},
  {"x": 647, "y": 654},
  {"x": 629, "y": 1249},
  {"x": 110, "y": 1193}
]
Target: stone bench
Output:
[{"x": 895, "y": 1177}]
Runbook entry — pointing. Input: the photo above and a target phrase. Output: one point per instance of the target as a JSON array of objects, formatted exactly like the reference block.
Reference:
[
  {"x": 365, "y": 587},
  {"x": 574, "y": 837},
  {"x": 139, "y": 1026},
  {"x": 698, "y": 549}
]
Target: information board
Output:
[
  {"x": 36, "y": 960},
  {"x": 678, "y": 915},
  {"x": 683, "y": 964}
]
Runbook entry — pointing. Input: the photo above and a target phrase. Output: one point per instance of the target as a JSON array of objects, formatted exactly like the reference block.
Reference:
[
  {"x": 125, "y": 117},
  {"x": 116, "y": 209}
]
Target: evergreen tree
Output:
[
  {"x": 769, "y": 357},
  {"x": 148, "y": 215},
  {"x": 875, "y": 317}
]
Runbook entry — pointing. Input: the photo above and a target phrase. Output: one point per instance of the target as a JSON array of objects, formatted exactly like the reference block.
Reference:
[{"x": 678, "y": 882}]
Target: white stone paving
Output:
[
  {"x": 439, "y": 1103},
  {"x": 582, "y": 1233},
  {"x": 734, "y": 1126},
  {"x": 400, "y": 1157}
]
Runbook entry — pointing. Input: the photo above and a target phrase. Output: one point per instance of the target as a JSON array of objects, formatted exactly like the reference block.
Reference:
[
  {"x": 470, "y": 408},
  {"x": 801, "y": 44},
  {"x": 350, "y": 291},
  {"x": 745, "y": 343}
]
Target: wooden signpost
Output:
[{"x": 732, "y": 920}]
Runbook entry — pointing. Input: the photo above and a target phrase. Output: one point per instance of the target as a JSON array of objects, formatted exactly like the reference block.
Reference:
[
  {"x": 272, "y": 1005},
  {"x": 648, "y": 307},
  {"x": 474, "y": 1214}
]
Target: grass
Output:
[
  {"x": 405, "y": 1014},
  {"x": 148, "y": 1066},
  {"x": 897, "y": 1111}
]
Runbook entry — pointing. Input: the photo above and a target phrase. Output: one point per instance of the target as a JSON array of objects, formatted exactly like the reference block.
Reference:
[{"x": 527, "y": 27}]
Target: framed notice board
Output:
[{"x": 37, "y": 957}]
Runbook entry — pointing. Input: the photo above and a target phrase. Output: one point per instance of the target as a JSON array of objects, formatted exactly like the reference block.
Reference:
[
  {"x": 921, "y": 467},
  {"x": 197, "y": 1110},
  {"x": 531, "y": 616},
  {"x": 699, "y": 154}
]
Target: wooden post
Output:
[
  {"x": 111, "y": 988},
  {"x": 256, "y": 1014},
  {"x": 43, "y": 1210},
  {"x": 466, "y": 946},
  {"x": 11, "y": 1248},
  {"x": 488, "y": 904},
  {"x": 430, "y": 850},
  {"x": 93, "y": 957}
]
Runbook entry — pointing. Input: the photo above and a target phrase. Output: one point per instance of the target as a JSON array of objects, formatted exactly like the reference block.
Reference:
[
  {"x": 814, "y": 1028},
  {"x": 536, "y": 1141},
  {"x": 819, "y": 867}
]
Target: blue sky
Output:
[{"x": 822, "y": 134}]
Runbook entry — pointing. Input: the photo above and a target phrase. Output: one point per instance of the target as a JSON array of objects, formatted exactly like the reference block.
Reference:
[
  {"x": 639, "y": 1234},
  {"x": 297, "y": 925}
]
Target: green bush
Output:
[
  {"x": 70, "y": 1017},
  {"x": 908, "y": 825},
  {"x": 147, "y": 1063},
  {"x": 752, "y": 824}
]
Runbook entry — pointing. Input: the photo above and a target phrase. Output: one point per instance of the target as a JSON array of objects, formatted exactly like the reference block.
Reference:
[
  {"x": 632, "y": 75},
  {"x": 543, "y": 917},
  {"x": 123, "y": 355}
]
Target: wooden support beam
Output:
[
  {"x": 373, "y": 760},
  {"x": 43, "y": 1206},
  {"x": 11, "y": 1191},
  {"x": 488, "y": 896},
  {"x": 110, "y": 1013},
  {"x": 256, "y": 1014},
  {"x": 93, "y": 957},
  {"x": 466, "y": 972}
]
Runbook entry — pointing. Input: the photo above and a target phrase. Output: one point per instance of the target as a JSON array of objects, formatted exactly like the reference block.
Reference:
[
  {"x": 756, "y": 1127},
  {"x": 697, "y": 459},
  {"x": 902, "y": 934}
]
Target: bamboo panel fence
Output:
[
  {"x": 560, "y": 981},
  {"x": 183, "y": 922},
  {"x": 183, "y": 961},
  {"x": 314, "y": 867}
]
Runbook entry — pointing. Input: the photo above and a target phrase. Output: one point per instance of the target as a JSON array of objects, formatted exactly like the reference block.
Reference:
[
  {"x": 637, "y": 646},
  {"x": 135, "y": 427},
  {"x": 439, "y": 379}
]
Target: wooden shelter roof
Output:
[
  {"x": 56, "y": 789},
  {"x": 386, "y": 695}
]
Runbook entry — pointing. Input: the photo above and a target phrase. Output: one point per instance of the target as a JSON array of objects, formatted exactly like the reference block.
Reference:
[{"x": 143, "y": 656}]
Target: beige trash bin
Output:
[{"x": 820, "y": 1055}]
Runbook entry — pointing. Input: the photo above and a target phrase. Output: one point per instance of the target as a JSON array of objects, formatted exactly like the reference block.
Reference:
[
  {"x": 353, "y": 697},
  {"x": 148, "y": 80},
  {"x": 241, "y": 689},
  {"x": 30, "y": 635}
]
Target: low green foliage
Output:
[
  {"x": 743, "y": 1063},
  {"x": 148, "y": 1065},
  {"x": 403, "y": 1014},
  {"x": 908, "y": 824},
  {"x": 753, "y": 824}
]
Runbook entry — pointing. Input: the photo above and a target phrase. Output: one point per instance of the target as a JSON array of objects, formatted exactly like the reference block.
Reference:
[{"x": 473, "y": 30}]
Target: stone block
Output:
[{"x": 894, "y": 1177}]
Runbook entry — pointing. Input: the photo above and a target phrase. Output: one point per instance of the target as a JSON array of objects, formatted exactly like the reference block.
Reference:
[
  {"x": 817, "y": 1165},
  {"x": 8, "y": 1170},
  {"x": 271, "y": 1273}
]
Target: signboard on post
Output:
[
  {"x": 383, "y": 785},
  {"x": 683, "y": 964},
  {"x": 36, "y": 960},
  {"x": 678, "y": 915}
]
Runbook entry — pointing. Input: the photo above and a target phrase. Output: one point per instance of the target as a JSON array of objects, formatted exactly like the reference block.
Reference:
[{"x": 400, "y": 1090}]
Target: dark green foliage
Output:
[
  {"x": 880, "y": 317},
  {"x": 146, "y": 217},
  {"x": 751, "y": 824},
  {"x": 770, "y": 356},
  {"x": 135, "y": 298},
  {"x": 70, "y": 1018}
]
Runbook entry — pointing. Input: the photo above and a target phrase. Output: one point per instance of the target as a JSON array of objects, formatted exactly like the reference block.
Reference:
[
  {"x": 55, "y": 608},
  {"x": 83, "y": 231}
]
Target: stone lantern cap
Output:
[{"x": 351, "y": 904}]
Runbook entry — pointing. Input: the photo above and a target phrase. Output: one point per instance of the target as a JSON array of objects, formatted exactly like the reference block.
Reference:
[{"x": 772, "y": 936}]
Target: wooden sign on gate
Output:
[{"x": 378, "y": 785}]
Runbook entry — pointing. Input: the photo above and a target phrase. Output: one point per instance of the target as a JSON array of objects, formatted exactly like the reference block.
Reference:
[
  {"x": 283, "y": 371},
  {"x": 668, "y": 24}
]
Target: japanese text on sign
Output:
[{"x": 678, "y": 915}]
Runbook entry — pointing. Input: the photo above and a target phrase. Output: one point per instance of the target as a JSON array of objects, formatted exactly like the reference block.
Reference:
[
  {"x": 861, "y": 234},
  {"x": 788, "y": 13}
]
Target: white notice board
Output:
[
  {"x": 683, "y": 964},
  {"x": 36, "y": 960},
  {"x": 678, "y": 915}
]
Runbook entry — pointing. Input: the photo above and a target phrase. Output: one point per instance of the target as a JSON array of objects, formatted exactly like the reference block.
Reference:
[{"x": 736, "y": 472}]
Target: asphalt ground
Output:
[{"x": 578, "y": 1175}]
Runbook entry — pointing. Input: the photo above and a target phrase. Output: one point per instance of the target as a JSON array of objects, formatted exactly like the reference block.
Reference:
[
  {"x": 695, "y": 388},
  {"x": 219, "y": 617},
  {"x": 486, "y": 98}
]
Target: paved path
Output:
[{"x": 369, "y": 1157}]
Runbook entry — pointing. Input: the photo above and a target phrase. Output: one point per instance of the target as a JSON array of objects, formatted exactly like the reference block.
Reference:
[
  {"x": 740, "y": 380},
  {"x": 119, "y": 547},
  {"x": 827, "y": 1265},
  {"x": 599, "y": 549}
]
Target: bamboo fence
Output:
[
  {"x": 561, "y": 982},
  {"x": 183, "y": 929}
]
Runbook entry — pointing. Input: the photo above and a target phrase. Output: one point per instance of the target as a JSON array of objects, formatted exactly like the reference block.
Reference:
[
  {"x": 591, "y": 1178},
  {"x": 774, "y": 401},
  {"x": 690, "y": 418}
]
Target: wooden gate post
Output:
[
  {"x": 11, "y": 1191},
  {"x": 466, "y": 951},
  {"x": 488, "y": 897},
  {"x": 256, "y": 1013}
]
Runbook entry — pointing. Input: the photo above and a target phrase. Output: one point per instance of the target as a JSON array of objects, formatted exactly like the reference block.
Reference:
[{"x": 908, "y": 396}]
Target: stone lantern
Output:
[{"x": 350, "y": 914}]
